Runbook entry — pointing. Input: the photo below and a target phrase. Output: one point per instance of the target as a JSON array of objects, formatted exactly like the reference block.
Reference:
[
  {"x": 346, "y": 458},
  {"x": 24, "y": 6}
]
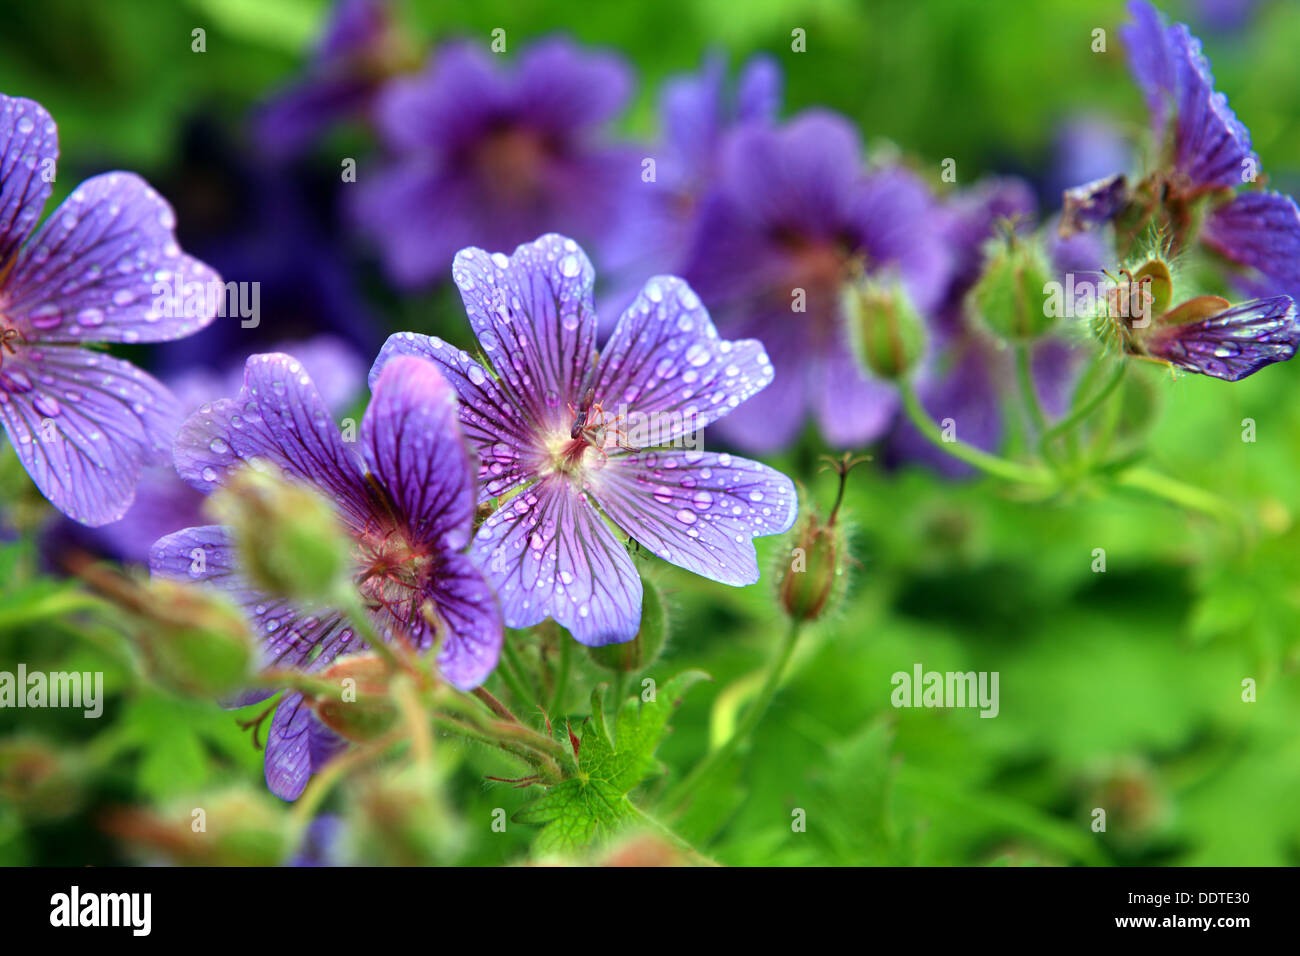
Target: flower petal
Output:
[
  {"x": 1261, "y": 231},
  {"x": 698, "y": 511},
  {"x": 278, "y": 416},
  {"x": 488, "y": 419},
  {"x": 1151, "y": 59},
  {"x": 1233, "y": 344},
  {"x": 562, "y": 86},
  {"x": 29, "y": 146},
  {"x": 759, "y": 90},
  {"x": 803, "y": 175},
  {"x": 534, "y": 317},
  {"x": 85, "y": 425},
  {"x": 288, "y": 748},
  {"x": 446, "y": 105},
  {"x": 666, "y": 367},
  {"x": 105, "y": 267},
  {"x": 1212, "y": 146},
  {"x": 549, "y": 553},
  {"x": 466, "y": 603},
  {"x": 412, "y": 444},
  {"x": 852, "y": 409}
]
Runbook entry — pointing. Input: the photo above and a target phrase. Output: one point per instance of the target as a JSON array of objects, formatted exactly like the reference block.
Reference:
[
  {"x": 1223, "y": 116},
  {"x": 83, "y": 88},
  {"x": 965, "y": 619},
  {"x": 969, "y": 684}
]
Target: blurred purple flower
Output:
[
  {"x": 1225, "y": 16},
  {"x": 271, "y": 233},
  {"x": 360, "y": 48},
  {"x": 495, "y": 156},
  {"x": 320, "y": 842},
  {"x": 1086, "y": 148},
  {"x": 696, "y": 112},
  {"x": 567, "y": 435},
  {"x": 792, "y": 218},
  {"x": 407, "y": 500},
  {"x": 84, "y": 424}
]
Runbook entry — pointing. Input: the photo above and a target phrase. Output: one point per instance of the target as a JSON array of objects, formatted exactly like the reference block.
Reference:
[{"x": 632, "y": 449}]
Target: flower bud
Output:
[
  {"x": 888, "y": 335},
  {"x": 39, "y": 781},
  {"x": 290, "y": 541},
  {"x": 195, "y": 640},
  {"x": 236, "y": 827},
  {"x": 643, "y": 650},
  {"x": 809, "y": 582},
  {"x": 1011, "y": 297},
  {"x": 397, "y": 817},
  {"x": 361, "y": 709}
]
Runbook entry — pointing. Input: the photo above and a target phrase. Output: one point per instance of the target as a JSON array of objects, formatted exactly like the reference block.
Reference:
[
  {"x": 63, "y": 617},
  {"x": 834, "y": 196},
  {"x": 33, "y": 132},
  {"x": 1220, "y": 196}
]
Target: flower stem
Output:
[
  {"x": 1178, "y": 493},
  {"x": 513, "y": 673},
  {"x": 1082, "y": 412},
  {"x": 324, "y": 782},
  {"x": 693, "y": 854},
  {"x": 990, "y": 464},
  {"x": 677, "y": 796},
  {"x": 1028, "y": 389},
  {"x": 556, "y": 700}
]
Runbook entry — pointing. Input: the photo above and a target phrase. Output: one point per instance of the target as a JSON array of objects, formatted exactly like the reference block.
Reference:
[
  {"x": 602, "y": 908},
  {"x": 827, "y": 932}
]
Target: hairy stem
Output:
[
  {"x": 679, "y": 795},
  {"x": 990, "y": 464}
]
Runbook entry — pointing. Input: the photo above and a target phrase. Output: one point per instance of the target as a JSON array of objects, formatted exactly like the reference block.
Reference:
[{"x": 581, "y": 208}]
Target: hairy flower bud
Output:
[
  {"x": 196, "y": 641},
  {"x": 361, "y": 708},
  {"x": 1012, "y": 295},
  {"x": 643, "y": 650},
  {"x": 37, "y": 780},
  {"x": 236, "y": 827},
  {"x": 289, "y": 538},
  {"x": 810, "y": 580},
  {"x": 808, "y": 584},
  {"x": 887, "y": 333}
]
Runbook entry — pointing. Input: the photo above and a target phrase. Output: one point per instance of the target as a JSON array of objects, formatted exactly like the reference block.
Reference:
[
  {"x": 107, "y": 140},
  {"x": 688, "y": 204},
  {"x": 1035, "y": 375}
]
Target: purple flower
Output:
[
  {"x": 84, "y": 424},
  {"x": 357, "y": 51},
  {"x": 696, "y": 113},
  {"x": 163, "y": 501},
  {"x": 1206, "y": 146},
  {"x": 271, "y": 233},
  {"x": 1231, "y": 344},
  {"x": 1261, "y": 232},
  {"x": 481, "y": 154},
  {"x": 792, "y": 219},
  {"x": 321, "y": 841},
  {"x": 407, "y": 501},
  {"x": 1086, "y": 148},
  {"x": 1208, "y": 151},
  {"x": 564, "y": 438}
]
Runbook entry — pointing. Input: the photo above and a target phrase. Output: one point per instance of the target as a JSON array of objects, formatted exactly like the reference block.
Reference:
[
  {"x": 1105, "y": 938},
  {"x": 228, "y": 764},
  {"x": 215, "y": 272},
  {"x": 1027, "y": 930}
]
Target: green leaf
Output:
[{"x": 593, "y": 803}]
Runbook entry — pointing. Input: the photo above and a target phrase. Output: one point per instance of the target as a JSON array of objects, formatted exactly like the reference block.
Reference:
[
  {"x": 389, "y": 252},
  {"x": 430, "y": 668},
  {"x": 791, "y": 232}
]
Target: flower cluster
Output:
[{"x": 794, "y": 277}]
